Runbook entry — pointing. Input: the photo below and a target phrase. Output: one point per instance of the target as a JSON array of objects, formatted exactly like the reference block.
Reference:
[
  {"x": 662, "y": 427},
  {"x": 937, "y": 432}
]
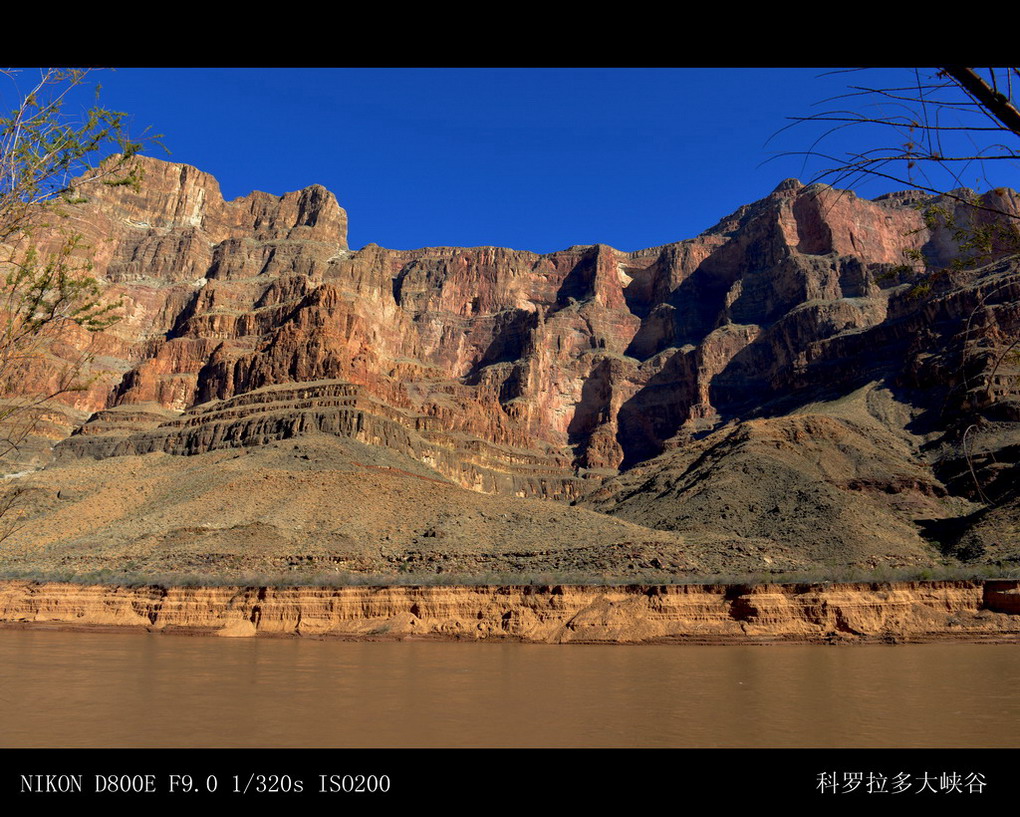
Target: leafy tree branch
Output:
[{"x": 51, "y": 147}]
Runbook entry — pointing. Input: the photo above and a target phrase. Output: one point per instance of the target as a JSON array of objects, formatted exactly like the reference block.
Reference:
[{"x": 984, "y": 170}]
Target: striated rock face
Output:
[
  {"x": 599, "y": 354},
  {"x": 915, "y": 611},
  {"x": 529, "y": 375}
]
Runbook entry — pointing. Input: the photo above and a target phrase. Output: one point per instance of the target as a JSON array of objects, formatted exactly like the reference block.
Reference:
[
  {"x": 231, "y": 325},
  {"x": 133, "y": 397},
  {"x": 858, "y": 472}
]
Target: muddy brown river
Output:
[{"x": 61, "y": 689}]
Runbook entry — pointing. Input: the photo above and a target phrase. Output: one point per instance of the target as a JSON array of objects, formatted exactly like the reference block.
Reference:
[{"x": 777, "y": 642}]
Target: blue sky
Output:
[{"x": 535, "y": 159}]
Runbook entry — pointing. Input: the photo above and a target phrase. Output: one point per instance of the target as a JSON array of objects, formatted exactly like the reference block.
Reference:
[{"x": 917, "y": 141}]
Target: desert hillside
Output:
[{"x": 788, "y": 391}]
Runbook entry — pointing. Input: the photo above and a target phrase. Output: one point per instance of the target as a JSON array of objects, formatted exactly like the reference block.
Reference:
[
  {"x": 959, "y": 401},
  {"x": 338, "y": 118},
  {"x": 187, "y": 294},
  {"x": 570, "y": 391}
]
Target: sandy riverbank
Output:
[{"x": 730, "y": 614}]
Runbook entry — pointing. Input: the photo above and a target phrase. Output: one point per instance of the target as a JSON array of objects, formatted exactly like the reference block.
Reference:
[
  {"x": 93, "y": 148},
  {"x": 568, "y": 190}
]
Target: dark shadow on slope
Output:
[
  {"x": 753, "y": 384},
  {"x": 512, "y": 336},
  {"x": 579, "y": 283},
  {"x": 654, "y": 413},
  {"x": 594, "y": 407},
  {"x": 947, "y": 535}
]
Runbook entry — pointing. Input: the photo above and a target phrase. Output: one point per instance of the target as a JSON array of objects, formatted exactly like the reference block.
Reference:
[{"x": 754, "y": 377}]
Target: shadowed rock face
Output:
[{"x": 532, "y": 375}]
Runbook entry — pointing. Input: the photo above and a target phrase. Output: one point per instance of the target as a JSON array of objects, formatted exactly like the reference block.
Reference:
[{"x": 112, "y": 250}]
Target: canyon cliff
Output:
[{"x": 783, "y": 391}]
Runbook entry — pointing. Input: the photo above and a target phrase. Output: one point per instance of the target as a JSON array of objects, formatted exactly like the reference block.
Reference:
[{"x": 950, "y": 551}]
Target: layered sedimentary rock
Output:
[
  {"x": 789, "y": 357},
  {"x": 838, "y": 613}
]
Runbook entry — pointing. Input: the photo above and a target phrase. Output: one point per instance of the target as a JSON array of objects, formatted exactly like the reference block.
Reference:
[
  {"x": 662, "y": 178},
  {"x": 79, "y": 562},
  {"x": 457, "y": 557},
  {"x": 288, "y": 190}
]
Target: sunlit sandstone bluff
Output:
[
  {"x": 899, "y": 612},
  {"x": 790, "y": 391}
]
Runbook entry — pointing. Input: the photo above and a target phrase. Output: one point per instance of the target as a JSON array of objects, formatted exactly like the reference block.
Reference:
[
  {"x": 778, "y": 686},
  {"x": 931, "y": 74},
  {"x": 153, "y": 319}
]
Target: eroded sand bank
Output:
[{"x": 815, "y": 613}]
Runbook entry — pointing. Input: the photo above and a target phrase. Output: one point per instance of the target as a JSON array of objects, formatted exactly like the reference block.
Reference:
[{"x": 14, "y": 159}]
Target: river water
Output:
[{"x": 62, "y": 689}]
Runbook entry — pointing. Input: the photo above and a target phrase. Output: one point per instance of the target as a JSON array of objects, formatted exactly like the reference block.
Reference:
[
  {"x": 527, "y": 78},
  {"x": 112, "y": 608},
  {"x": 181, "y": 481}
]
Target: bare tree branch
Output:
[{"x": 997, "y": 104}]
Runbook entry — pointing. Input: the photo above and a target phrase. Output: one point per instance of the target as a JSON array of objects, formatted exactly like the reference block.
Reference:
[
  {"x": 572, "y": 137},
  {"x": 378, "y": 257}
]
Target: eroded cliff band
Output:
[{"x": 833, "y": 613}]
